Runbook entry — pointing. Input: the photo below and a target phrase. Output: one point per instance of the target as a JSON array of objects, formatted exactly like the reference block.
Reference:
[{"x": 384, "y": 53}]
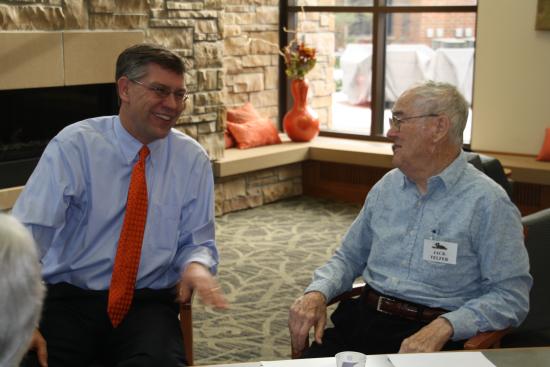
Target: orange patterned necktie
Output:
[{"x": 128, "y": 253}]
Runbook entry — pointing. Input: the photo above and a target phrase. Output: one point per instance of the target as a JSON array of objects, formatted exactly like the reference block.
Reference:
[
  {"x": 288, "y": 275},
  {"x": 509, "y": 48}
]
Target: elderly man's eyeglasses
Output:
[
  {"x": 395, "y": 122},
  {"x": 162, "y": 91}
]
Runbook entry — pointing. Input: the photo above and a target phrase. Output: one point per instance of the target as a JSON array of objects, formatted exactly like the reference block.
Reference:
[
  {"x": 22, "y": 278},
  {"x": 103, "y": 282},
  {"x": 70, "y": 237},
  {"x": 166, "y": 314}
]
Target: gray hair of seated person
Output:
[
  {"x": 443, "y": 99},
  {"x": 134, "y": 60},
  {"x": 21, "y": 290}
]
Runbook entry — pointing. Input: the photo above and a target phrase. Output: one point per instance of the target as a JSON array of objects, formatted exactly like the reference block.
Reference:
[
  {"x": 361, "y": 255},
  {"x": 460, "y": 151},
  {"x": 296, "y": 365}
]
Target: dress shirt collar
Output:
[
  {"x": 130, "y": 146},
  {"x": 448, "y": 177}
]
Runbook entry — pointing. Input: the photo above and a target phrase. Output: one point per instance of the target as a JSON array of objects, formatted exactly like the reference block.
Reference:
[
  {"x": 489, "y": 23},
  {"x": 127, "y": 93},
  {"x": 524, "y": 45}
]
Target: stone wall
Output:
[
  {"x": 251, "y": 58},
  {"x": 318, "y": 30},
  {"x": 193, "y": 29},
  {"x": 251, "y": 61},
  {"x": 258, "y": 188},
  {"x": 230, "y": 49}
]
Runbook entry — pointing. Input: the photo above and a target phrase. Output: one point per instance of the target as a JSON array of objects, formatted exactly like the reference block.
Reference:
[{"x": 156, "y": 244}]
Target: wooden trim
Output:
[
  {"x": 347, "y": 135},
  {"x": 364, "y": 153},
  {"x": 360, "y": 152},
  {"x": 379, "y": 10},
  {"x": 384, "y": 9},
  {"x": 378, "y": 73},
  {"x": 340, "y": 181},
  {"x": 9, "y": 196},
  {"x": 490, "y": 152}
]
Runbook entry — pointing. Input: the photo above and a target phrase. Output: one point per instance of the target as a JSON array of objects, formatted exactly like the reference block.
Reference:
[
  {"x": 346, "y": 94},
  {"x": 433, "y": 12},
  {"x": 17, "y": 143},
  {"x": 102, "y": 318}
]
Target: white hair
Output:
[
  {"x": 445, "y": 99},
  {"x": 21, "y": 290}
]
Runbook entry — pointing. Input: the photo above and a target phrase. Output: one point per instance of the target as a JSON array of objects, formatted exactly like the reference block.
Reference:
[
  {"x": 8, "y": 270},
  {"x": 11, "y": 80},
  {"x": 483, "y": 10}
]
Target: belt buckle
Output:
[{"x": 379, "y": 304}]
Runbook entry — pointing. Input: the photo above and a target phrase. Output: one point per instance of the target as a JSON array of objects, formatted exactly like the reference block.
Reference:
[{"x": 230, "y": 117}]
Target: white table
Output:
[{"x": 510, "y": 357}]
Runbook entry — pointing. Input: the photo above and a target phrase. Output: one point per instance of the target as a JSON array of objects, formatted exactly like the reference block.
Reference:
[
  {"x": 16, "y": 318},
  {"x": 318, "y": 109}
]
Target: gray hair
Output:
[
  {"x": 444, "y": 99},
  {"x": 21, "y": 290},
  {"x": 133, "y": 61}
]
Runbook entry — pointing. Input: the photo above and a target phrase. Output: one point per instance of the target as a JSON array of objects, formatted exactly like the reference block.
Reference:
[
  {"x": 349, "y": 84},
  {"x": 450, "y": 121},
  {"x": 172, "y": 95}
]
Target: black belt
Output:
[{"x": 401, "y": 308}]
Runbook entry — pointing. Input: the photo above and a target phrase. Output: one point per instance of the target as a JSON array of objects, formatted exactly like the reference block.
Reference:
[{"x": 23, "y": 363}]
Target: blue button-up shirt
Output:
[
  {"x": 75, "y": 200},
  {"x": 487, "y": 289}
]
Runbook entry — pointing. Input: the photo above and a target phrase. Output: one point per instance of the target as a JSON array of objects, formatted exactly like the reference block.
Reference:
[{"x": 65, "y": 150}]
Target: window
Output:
[{"x": 370, "y": 51}]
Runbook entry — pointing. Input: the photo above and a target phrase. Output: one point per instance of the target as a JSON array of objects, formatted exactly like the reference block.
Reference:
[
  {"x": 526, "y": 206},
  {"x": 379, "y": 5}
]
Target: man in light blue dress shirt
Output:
[
  {"x": 439, "y": 244},
  {"x": 74, "y": 204}
]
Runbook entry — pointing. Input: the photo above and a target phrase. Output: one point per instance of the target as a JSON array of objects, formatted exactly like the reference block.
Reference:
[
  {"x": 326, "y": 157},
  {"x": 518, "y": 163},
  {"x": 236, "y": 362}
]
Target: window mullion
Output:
[
  {"x": 378, "y": 69},
  {"x": 284, "y": 17}
]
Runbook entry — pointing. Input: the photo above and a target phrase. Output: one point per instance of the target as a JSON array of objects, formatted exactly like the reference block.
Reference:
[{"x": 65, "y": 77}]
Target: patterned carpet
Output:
[{"x": 267, "y": 256}]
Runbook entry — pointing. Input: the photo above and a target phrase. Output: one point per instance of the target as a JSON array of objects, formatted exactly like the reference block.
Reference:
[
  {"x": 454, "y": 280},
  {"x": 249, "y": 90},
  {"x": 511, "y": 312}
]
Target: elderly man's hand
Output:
[
  {"x": 38, "y": 344},
  {"x": 307, "y": 311},
  {"x": 198, "y": 277},
  {"x": 431, "y": 338}
]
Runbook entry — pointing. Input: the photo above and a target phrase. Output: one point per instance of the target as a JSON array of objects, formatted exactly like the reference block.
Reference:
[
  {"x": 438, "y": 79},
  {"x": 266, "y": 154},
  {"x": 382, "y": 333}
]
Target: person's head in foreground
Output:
[{"x": 21, "y": 290}]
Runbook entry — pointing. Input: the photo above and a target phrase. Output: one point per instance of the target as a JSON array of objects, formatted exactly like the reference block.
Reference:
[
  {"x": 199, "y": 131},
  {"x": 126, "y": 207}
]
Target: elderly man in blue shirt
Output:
[
  {"x": 75, "y": 205},
  {"x": 439, "y": 244}
]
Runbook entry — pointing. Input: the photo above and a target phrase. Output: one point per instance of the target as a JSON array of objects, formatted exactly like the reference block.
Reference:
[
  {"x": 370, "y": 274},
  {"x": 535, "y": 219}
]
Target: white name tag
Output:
[{"x": 440, "y": 252}]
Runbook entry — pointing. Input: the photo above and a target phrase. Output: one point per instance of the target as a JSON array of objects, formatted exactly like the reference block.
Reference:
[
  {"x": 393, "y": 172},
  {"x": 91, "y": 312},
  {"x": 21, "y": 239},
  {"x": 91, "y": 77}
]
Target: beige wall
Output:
[{"x": 512, "y": 78}]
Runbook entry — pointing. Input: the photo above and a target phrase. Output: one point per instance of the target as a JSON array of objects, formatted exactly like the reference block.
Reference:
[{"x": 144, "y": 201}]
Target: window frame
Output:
[{"x": 287, "y": 18}]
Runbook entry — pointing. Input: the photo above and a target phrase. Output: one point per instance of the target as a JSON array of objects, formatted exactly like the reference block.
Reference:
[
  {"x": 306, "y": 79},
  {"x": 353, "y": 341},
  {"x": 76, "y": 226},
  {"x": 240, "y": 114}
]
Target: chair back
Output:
[
  {"x": 538, "y": 247},
  {"x": 535, "y": 330},
  {"x": 492, "y": 168}
]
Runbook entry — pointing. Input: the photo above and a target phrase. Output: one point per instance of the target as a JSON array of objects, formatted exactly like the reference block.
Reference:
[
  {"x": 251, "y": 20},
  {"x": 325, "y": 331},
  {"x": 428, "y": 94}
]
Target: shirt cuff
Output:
[
  {"x": 323, "y": 287},
  {"x": 204, "y": 257},
  {"x": 464, "y": 323}
]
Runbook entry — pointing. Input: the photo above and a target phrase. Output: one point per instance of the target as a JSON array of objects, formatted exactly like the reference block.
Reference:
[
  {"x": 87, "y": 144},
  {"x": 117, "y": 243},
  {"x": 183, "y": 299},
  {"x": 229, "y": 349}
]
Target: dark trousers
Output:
[
  {"x": 78, "y": 332},
  {"x": 358, "y": 327}
]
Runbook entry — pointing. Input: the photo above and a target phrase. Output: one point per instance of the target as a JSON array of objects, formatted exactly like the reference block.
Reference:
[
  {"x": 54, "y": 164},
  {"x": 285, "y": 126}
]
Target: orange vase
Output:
[{"x": 301, "y": 123}]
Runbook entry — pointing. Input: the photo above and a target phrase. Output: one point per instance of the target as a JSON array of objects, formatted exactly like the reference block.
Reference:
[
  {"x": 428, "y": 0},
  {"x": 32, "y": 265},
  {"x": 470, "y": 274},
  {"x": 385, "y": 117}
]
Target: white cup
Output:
[{"x": 350, "y": 359}]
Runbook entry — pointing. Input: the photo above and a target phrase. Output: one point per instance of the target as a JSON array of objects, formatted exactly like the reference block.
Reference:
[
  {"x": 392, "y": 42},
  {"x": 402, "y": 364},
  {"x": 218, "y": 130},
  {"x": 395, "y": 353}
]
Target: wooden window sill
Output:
[
  {"x": 322, "y": 148},
  {"x": 360, "y": 152},
  {"x": 329, "y": 149}
]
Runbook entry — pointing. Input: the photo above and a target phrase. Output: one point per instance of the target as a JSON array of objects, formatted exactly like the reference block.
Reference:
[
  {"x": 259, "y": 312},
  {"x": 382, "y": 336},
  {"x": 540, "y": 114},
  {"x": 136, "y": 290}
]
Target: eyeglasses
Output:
[
  {"x": 162, "y": 91},
  {"x": 395, "y": 122}
]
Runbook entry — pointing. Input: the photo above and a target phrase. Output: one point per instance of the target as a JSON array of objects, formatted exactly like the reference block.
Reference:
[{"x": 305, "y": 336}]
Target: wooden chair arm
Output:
[
  {"x": 486, "y": 340},
  {"x": 186, "y": 325}
]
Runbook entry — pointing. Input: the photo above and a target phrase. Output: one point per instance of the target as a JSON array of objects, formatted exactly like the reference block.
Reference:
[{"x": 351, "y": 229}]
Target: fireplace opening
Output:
[{"x": 32, "y": 117}]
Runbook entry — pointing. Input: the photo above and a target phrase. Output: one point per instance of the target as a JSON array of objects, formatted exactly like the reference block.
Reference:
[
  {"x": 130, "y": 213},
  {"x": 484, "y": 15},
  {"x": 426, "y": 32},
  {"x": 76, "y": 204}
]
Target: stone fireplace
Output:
[
  {"x": 229, "y": 48},
  {"x": 58, "y": 67},
  {"x": 32, "y": 116}
]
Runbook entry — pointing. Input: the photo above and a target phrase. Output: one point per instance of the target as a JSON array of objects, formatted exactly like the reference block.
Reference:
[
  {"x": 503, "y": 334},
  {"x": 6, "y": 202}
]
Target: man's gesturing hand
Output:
[
  {"x": 197, "y": 277},
  {"x": 307, "y": 311},
  {"x": 431, "y": 338}
]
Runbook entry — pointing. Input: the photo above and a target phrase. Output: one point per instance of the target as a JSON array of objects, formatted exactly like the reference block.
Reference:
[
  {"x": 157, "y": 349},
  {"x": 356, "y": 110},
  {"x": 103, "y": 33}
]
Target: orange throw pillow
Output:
[
  {"x": 254, "y": 133},
  {"x": 243, "y": 114},
  {"x": 544, "y": 154}
]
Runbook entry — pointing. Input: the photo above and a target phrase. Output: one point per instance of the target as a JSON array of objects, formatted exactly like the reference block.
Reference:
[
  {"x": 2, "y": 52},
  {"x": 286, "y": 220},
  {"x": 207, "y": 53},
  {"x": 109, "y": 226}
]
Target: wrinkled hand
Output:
[
  {"x": 307, "y": 311},
  {"x": 431, "y": 338},
  {"x": 38, "y": 344},
  {"x": 198, "y": 278}
]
